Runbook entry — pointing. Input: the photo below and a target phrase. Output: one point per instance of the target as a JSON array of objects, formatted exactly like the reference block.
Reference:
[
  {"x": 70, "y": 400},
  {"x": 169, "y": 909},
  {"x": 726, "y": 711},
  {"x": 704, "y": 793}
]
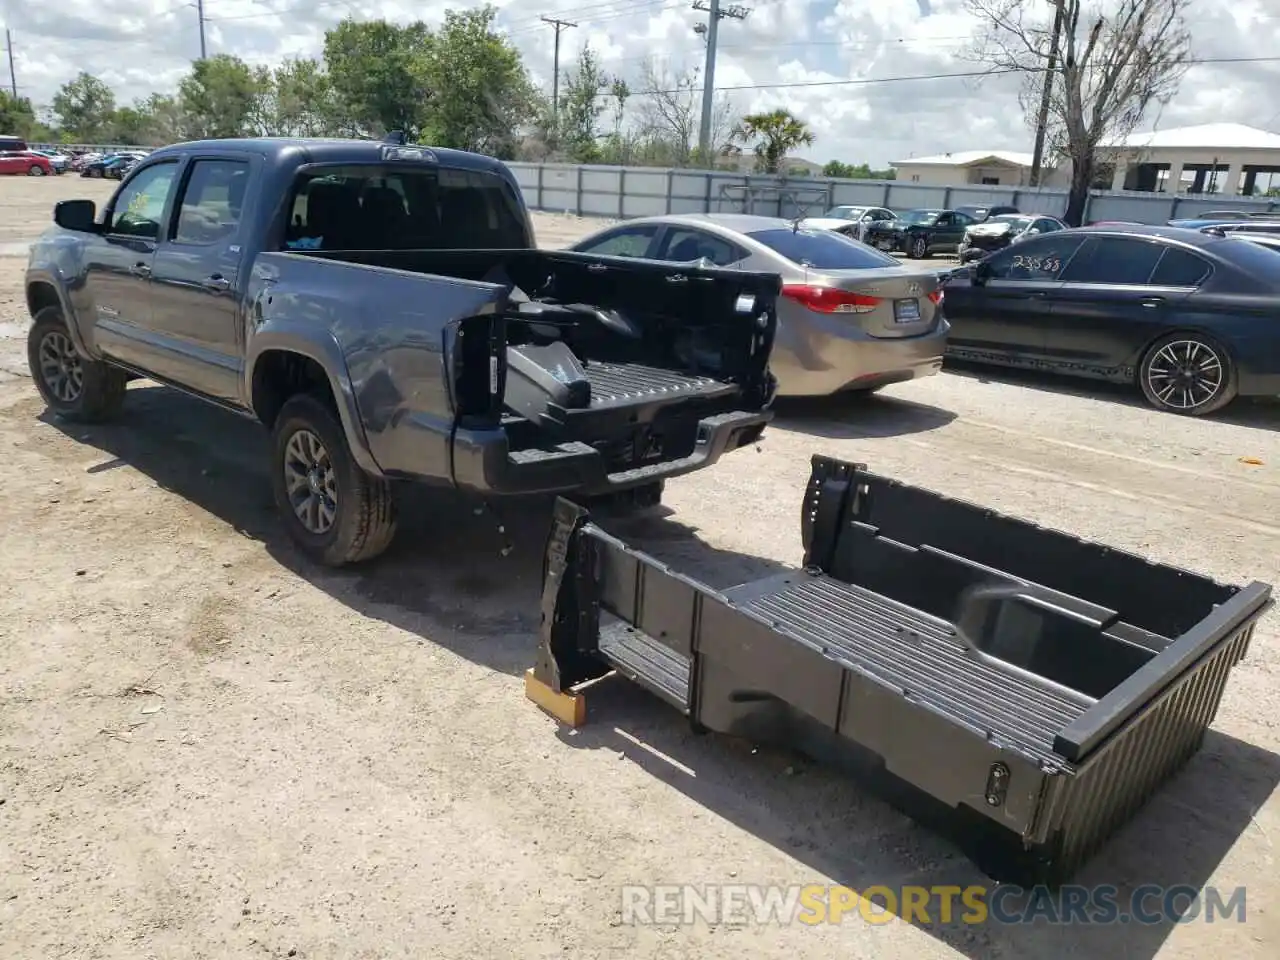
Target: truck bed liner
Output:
[
  {"x": 620, "y": 384},
  {"x": 1019, "y": 689}
]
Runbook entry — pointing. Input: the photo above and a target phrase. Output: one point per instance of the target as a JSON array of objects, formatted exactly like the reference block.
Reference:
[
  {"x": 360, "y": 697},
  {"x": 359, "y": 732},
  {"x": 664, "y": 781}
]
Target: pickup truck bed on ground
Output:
[{"x": 1021, "y": 690}]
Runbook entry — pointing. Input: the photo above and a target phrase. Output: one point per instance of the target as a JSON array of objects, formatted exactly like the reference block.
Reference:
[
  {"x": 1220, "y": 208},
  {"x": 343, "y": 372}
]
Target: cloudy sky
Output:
[{"x": 837, "y": 64}]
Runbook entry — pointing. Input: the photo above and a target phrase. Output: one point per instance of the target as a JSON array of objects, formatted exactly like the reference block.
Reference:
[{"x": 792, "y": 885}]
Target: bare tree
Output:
[
  {"x": 670, "y": 105},
  {"x": 1111, "y": 62}
]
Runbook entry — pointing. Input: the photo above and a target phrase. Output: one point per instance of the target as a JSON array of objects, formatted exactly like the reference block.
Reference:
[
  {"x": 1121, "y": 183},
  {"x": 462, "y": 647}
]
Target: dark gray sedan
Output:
[{"x": 850, "y": 318}]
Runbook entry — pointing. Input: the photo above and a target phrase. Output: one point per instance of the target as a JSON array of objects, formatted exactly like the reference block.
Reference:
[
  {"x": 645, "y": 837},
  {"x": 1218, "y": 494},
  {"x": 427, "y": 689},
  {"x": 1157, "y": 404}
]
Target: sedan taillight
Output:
[{"x": 829, "y": 299}]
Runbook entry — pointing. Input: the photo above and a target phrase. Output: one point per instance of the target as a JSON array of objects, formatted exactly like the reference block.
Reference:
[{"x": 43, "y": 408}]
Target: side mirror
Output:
[{"x": 78, "y": 215}]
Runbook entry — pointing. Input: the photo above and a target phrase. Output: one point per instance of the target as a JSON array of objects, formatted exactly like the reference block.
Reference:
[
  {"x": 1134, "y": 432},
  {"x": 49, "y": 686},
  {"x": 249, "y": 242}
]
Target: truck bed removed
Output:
[{"x": 1022, "y": 691}]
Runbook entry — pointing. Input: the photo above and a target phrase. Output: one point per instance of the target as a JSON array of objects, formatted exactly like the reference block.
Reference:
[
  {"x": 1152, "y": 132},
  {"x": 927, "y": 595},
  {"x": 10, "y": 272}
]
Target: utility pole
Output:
[
  {"x": 200, "y": 17},
  {"x": 560, "y": 26},
  {"x": 1046, "y": 95},
  {"x": 13, "y": 72},
  {"x": 715, "y": 13}
]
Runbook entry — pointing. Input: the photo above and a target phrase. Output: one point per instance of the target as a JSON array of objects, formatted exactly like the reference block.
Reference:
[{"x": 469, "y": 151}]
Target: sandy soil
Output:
[{"x": 209, "y": 748}]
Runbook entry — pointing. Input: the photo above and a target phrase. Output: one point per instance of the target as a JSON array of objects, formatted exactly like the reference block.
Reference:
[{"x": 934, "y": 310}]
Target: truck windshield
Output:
[{"x": 403, "y": 207}]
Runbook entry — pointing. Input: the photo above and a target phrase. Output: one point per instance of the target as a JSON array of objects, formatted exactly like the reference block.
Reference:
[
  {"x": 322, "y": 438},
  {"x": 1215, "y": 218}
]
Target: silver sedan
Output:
[{"x": 850, "y": 318}]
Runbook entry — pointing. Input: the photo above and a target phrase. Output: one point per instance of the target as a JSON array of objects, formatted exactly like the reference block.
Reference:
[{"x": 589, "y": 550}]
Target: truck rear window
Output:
[{"x": 403, "y": 208}]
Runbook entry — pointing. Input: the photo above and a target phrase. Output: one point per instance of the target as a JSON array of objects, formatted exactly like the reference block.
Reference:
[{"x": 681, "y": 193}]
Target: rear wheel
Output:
[
  {"x": 333, "y": 510},
  {"x": 1187, "y": 373},
  {"x": 75, "y": 388}
]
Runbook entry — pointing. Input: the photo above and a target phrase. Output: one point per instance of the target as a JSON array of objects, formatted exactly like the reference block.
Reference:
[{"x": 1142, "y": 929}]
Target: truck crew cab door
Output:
[
  {"x": 115, "y": 312},
  {"x": 196, "y": 278}
]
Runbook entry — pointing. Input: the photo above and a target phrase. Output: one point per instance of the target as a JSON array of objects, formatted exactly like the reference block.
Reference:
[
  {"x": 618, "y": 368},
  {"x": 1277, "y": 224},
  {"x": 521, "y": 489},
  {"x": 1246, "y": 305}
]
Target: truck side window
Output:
[
  {"x": 211, "y": 203},
  {"x": 139, "y": 206}
]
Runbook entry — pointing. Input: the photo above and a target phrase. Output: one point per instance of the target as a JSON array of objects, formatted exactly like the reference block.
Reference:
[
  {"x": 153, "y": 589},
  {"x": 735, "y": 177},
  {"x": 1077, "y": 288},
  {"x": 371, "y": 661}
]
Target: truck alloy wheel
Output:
[
  {"x": 333, "y": 510},
  {"x": 75, "y": 388},
  {"x": 1187, "y": 373}
]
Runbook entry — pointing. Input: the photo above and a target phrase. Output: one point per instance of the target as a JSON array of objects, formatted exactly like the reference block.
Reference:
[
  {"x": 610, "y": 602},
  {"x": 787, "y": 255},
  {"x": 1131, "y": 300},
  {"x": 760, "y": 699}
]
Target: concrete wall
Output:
[{"x": 623, "y": 192}]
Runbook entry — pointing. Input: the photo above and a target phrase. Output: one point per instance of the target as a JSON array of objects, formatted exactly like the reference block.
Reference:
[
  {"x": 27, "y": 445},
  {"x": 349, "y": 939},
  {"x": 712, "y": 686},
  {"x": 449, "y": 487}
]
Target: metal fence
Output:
[{"x": 624, "y": 192}]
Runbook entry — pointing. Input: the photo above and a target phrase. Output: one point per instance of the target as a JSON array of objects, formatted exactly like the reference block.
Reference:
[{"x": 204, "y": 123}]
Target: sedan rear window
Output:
[{"x": 822, "y": 250}]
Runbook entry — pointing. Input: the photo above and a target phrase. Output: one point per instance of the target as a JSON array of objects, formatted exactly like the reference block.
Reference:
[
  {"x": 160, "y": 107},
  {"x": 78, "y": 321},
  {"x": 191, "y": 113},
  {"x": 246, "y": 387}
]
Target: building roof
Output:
[
  {"x": 968, "y": 158},
  {"x": 1217, "y": 136}
]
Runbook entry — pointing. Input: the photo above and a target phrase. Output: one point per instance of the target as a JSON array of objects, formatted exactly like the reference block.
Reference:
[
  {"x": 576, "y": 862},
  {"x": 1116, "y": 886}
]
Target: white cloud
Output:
[{"x": 814, "y": 57}]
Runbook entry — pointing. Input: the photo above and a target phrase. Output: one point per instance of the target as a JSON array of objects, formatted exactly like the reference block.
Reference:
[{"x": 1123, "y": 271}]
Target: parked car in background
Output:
[
  {"x": 114, "y": 166},
  {"x": 81, "y": 160},
  {"x": 26, "y": 163},
  {"x": 847, "y": 219},
  {"x": 1242, "y": 226},
  {"x": 996, "y": 233},
  {"x": 919, "y": 233},
  {"x": 1189, "y": 317},
  {"x": 979, "y": 212},
  {"x": 850, "y": 318},
  {"x": 60, "y": 162},
  {"x": 9, "y": 144}
]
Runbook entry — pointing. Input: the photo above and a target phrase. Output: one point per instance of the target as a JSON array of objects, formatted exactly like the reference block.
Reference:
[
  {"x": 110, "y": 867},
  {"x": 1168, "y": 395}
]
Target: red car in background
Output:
[{"x": 26, "y": 163}]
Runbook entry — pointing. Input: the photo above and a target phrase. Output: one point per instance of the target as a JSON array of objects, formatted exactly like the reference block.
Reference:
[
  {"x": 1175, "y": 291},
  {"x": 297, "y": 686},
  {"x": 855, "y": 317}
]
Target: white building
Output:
[
  {"x": 1003, "y": 168},
  {"x": 1222, "y": 158}
]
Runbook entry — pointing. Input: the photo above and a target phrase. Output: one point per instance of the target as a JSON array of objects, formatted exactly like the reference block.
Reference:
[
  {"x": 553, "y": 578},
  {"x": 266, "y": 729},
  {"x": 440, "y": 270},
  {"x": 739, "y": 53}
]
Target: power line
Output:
[
  {"x": 559, "y": 26},
  {"x": 714, "y": 15}
]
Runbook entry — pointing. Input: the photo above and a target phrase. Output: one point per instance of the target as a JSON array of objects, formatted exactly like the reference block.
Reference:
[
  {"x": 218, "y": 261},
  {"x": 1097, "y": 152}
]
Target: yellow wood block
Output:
[{"x": 569, "y": 708}]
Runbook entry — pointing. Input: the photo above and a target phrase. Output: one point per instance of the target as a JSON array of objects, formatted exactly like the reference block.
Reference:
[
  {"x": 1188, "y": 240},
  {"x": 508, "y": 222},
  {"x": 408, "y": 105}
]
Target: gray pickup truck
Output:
[{"x": 383, "y": 310}]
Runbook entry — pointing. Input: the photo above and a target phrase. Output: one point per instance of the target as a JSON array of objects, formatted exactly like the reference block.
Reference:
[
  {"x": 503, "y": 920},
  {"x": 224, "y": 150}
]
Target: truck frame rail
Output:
[{"x": 1018, "y": 689}]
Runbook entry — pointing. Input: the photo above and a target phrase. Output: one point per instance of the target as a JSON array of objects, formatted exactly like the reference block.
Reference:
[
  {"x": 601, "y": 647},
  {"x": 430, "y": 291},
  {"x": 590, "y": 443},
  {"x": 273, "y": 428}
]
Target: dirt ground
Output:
[{"x": 209, "y": 748}]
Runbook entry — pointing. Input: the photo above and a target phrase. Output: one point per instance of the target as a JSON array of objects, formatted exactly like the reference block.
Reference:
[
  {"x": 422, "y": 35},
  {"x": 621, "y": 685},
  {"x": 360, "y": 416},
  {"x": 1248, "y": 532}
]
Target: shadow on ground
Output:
[
  {"x": 822, "y": 818},
  {"x": 463, "y": 573},
  {"x": 852, "y": 416},
  {"x": 1259, "y": 412}
]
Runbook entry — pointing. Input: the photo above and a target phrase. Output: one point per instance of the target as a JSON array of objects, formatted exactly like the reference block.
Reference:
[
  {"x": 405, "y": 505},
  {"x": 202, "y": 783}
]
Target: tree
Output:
[
  {"x": 85, "y": 108},
  {"x": 222, "y": 96},
  {"x": 17, "y": 116},
  {"x": 1109, "y": 66},
  {"x": 773, "y": 135},
  {"x": 618, "y": 145},
  {"x": 480, "y": 93},
  {"x": 670, "y": 115},
  {"x": 378, "y": 73},
  {"x": 581, "y": 104},
  {"x": 858, "y": 171},
  {"x": 303, "y": 104}
]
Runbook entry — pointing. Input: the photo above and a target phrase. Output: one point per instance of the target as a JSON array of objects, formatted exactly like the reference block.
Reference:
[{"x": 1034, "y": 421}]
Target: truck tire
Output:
[
  {"x": 74, "y": 387},
  {"x": 333, "y": 510}
]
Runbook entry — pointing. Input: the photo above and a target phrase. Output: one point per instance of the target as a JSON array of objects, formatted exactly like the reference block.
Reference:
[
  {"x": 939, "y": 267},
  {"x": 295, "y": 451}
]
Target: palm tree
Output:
[{"x": 774, "y": 134}]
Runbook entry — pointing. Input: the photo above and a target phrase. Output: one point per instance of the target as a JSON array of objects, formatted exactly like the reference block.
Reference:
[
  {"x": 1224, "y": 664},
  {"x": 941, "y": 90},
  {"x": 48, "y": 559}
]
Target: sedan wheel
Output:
[
  {"x": 919, "y": 249},
  {"x": 35, "y": 172},
  {"x": 1187, "y": 374}
]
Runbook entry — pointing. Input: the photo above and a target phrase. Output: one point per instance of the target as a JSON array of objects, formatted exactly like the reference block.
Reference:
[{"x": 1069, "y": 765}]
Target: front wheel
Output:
[
  {"x": 333, "y": 510},
  {"x": 918, "y": 248},
  {"x": 75, "y": 388},
  {"x": 1187, "y": 373},
  {"x": 95, "y": 174}
]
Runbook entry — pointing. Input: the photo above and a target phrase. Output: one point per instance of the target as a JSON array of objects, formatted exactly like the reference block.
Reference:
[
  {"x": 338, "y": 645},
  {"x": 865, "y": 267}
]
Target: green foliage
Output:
[
  {"x": 856, "y": 171},
  {"x": 773, "y": 135},
  {"x": 17, "y": 116},
  {"x": 304, "y": 102},
  {"x": 378, "y": 71},
  {"x": 85, "y": 108},
  {"x": 222, "y": 96},
  {"x": 581, "y": 104}
]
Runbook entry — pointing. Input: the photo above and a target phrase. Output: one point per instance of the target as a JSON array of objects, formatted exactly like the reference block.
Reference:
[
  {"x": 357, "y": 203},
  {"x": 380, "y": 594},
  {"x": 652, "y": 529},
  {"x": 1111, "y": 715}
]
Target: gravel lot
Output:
[{"x": 209, "y": 748}]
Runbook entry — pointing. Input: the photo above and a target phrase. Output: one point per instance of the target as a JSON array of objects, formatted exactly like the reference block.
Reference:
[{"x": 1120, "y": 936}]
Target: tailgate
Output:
[{"x": 1017, "y": 688}]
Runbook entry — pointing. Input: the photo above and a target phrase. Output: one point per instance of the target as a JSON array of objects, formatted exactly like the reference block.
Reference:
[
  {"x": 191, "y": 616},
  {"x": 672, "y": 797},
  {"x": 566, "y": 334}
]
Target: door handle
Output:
[
  {"x": 596, "y": 268},
  {"x": 140, "y": 270},
  {"x": 1152, "y": 302},
  {"x": 677, "y": 278},
  {"x": 218, "y": 283}
]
